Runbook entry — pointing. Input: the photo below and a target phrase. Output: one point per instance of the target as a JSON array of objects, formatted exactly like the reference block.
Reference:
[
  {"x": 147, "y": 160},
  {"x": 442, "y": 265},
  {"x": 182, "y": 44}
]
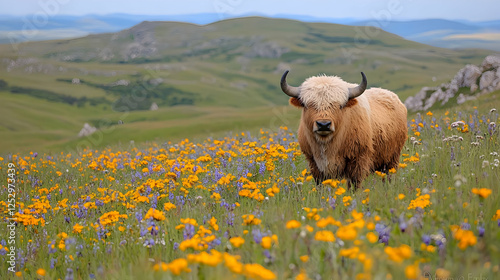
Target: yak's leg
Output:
[
  {"x": 357, "y": 171},
  {"x": 318, "y": 176}
]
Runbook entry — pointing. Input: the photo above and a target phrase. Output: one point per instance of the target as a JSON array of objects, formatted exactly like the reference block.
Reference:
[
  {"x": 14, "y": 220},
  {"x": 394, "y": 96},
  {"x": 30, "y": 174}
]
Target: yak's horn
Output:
[
  {"x": 357, "y": 91},
  {"x": 287, "y": 89}
]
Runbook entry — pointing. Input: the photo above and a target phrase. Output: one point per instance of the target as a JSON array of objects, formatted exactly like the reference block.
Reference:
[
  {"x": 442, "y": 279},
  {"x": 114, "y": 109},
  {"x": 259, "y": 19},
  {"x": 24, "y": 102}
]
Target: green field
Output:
[
  {"x": 205, "y": 79},
  {"x": 243, "y": 206}
]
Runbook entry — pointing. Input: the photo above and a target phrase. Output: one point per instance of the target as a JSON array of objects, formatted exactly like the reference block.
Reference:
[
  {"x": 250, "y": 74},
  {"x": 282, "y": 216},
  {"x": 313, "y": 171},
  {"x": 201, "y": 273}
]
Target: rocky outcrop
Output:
[
  {"x": 120, "y": 83},
  {"x": 87, "y": 130},
  {"x": 267, "y": 50},
  {"x": 468, "y": 83}
]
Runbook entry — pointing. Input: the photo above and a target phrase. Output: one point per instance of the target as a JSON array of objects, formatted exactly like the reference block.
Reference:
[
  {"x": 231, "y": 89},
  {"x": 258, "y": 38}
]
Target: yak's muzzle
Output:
[{"x": 323, "y": 127}]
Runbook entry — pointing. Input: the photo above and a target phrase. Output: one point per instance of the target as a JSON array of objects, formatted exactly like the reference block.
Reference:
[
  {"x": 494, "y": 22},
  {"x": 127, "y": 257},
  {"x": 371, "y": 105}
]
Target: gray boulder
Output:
[
  {"x": 87, "y": 130},
  {"x": 491, "y": 61},
  {"x": 487, "y": 79}
]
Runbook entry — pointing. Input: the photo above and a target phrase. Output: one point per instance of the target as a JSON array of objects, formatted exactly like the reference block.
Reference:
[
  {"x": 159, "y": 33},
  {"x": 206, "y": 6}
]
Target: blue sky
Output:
[{"x": 477, "y": 10}]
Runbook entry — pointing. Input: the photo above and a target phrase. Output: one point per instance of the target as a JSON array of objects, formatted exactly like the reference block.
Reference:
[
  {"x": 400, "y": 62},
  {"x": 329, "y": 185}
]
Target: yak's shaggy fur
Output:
[{"x": 368, "y": 132}]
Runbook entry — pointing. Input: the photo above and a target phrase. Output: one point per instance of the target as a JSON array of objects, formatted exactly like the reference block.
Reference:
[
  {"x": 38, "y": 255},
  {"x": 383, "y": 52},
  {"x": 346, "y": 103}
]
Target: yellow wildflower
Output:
[
  {"x": 398, "y": 254},
  {"x": 178, "y": 266},
  {"x": 77, "y": 228},
  {"x": 169, "y": 206},
  {"x": 421, "y": 201},
  {"x": 482, "y": 192},
  {"x": 466, "y": 238},
  {"x": 497, "y": 215},
  {"x": 266, "y": 242},
  {"x": 153, "y": 213},
  {"x": 41, "y": 272},
  {"x": 250, "y": 220},
  {"x": 257, "y": 271},
  {"x": 347, "y": 232},
  {"x": 412, "y": 271},
  {"x": 324, "y": 235},
  {"x": 293, "y": 224},
  {"x": 302, "y": 275},
  {"x": 237, "y": 241},
  {"x": 372, "y": 237}
]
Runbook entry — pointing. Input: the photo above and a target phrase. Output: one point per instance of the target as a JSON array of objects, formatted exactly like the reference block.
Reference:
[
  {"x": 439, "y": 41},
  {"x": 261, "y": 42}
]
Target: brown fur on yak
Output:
[{"x": 346, "y": 130}]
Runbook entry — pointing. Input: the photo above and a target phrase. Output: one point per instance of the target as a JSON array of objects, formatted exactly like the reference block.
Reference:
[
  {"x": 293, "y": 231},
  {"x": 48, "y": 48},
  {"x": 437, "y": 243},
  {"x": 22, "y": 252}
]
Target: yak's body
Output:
[{"x": 365, "y": 132}]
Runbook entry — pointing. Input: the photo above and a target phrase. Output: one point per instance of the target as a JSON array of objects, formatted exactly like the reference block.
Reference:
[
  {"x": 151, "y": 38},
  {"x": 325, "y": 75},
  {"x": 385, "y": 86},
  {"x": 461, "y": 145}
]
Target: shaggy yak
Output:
[{"x": 346, "y": 130}]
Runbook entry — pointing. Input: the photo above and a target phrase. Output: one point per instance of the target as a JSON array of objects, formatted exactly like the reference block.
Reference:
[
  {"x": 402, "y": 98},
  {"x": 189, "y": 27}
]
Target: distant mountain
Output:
[
  {"x": 444, "y": 33},
  {"x": 411, "y": 28},
  {"x": 436, "y": 32},
  {"x": 22, "y": 28}
]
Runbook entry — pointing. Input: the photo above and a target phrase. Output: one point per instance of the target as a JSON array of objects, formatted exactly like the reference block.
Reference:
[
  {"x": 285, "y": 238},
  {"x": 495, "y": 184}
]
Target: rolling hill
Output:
[
  {"x": 205, "y": 79},
  {"x": 435, "y": 32}
]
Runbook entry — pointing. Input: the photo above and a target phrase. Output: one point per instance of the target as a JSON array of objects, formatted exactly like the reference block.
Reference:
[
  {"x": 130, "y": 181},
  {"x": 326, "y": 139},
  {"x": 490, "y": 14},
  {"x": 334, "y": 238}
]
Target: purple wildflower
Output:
[
  {"x": 480, "y": 231},
  {"x": 188, "y": 231},
  {"x": 138, "y": 216},
  {"x": 262, "y": 168},
  {"x": 332, "y": 201},
  {"x": 53, "y": 262},
  {"x": 230, "y": 219},
  {"x": 257, "y": 235},
  {"x": 426, "y": 239},
  {"x": 383, "y": 233}
]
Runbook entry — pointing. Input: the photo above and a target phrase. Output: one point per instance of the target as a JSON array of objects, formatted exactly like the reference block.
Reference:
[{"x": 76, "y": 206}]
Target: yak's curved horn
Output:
[
  {"x": 357, "y": 91},
  {"x": 287, "y": 89}
]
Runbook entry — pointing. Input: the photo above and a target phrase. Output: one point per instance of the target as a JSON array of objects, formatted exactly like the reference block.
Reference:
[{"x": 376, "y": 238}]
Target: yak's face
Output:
[
  {"x": 321, "y": 124},
  {"x": 322, "y": 100}
]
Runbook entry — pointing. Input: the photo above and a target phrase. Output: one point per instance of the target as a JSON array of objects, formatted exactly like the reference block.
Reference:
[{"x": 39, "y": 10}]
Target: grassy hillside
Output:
[
  {"x": 205, "y": 79},
  {"x": 245, "y": 207}
]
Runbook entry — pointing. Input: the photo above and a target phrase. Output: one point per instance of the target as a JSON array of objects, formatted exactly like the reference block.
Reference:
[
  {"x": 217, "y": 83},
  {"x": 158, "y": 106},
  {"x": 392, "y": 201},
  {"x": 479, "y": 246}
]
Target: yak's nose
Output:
[{"x": 323, "y": 125}]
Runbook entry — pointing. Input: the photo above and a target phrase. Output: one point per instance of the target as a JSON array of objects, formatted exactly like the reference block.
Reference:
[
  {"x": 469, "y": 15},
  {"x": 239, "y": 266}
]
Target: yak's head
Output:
[{"x": 322, "y": 100}]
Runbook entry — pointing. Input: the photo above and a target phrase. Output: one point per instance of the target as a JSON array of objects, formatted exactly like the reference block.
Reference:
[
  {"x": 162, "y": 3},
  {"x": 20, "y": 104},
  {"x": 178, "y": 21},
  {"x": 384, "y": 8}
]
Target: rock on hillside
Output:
[
  {"x": 87, "y": 130},
  {"x": 467, "y": 84}
]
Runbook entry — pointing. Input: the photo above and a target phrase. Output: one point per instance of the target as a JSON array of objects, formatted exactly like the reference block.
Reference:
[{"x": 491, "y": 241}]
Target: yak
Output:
[{"x": 347, "y": 131}]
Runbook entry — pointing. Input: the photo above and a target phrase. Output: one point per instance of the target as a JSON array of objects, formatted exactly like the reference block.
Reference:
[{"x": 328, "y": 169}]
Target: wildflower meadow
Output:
[{"x": 245, "y": 207}]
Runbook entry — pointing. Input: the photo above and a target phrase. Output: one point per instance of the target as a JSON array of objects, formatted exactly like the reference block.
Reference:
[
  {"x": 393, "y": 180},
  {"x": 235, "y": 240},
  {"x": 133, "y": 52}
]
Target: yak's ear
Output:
[
  {"x": 350, "y": 103},
  {"x": 296, "y": 102}
]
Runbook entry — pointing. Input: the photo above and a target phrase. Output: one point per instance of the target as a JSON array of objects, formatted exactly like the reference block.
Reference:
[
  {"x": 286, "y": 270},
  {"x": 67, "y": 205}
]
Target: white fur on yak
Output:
[{"x": 347, "y": 131}]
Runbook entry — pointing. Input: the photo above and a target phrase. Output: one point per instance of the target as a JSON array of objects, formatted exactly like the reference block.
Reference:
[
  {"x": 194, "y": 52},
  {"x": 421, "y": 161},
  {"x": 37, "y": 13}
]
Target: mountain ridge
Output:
[{"x": 67, "y": 26}]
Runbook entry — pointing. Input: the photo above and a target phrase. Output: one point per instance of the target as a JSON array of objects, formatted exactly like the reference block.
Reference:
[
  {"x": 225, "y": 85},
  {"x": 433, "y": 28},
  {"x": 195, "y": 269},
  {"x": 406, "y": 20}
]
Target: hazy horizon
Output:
[{"x": 356, "y": 9}]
